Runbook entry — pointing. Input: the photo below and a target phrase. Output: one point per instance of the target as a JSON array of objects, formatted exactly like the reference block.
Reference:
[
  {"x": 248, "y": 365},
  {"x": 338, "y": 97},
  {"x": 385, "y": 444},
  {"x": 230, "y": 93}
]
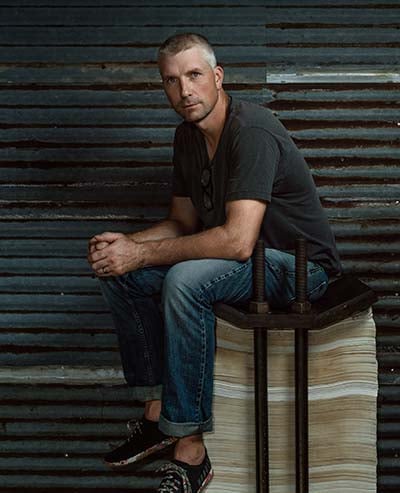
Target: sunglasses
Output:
[{"x": 206, "y": 184}]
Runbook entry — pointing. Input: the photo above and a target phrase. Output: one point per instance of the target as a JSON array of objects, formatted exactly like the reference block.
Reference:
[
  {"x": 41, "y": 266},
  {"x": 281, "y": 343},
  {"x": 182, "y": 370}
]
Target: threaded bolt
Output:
[{"x": 259, "y": 272}]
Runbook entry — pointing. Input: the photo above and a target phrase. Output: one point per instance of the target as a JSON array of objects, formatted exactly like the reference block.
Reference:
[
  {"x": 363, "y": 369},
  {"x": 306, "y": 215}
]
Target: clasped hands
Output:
[{"x": 113, "y": 254}]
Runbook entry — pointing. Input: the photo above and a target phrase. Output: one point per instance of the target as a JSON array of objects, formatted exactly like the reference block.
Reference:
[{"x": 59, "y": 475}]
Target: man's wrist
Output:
[
  {"x": 142, "y": 254},
  {"x": 133, "y": 236}
]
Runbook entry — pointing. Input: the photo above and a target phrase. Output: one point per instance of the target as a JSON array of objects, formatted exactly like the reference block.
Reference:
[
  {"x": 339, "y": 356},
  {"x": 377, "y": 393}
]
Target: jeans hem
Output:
[
  {"x": 146, "y": 393},
  {"x": 184, "y": 429}
]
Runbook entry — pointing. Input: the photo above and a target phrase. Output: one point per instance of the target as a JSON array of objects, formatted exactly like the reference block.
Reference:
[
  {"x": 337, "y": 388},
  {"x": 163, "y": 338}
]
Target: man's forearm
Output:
[
  {"x": 213, "y": 243},
  {"x": 234, "y": 240},
  {"x": 160, "y": 231}
]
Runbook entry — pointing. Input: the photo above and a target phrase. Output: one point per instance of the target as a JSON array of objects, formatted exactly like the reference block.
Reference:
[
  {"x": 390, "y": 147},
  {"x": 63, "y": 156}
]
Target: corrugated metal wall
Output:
[{"x": 85, "y": 146}]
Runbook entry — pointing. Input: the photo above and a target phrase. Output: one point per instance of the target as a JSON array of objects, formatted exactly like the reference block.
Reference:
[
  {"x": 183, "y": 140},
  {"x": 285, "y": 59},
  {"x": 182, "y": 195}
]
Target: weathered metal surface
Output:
[
  {"x": 69, "y": 428},
  {"x": 85, "y": 146}
]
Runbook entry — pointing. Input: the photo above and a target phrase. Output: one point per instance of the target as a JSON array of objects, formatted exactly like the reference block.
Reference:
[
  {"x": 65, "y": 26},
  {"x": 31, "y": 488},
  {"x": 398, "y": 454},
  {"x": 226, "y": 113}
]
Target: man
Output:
[{"x": 237, "y": 175}]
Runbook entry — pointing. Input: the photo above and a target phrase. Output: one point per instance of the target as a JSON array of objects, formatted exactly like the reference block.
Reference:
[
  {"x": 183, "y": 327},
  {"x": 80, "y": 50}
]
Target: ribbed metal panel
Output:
[
  {"x": 85, "y": 146},
  {"x": 54, "y": 436}
]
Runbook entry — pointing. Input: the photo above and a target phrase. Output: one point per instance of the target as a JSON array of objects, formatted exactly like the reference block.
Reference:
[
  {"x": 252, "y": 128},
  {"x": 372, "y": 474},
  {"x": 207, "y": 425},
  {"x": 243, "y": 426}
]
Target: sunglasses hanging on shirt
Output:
[{"x": 206, "y": 184}]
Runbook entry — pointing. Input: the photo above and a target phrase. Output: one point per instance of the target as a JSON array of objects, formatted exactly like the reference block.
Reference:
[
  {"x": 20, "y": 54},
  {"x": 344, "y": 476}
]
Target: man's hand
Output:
[{"x": 113, "y": 254}]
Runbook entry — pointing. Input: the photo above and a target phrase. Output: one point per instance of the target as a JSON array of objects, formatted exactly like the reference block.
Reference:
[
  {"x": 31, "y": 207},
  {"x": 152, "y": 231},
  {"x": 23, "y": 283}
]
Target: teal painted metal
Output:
[{"x": 85, "y": 146}]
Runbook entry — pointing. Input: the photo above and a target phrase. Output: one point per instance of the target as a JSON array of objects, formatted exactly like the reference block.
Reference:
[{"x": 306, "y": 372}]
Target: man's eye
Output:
[
  {"x": 170, "y": 81},
  {"x": 194, "y": 75}
]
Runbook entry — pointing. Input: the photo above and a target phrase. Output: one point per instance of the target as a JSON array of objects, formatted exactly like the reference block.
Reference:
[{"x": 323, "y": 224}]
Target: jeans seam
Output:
[
  {"x": 309, "y": 293},
  {"x": 200, "y": 388},
  {"x": 224, "y": 276},
  {"x": 201, "y": 296},
  {"x": 279, "y": 271}
]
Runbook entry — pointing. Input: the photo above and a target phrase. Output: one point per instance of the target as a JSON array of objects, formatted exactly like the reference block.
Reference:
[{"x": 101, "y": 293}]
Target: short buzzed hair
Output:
[{"x": 184, "y": 41}]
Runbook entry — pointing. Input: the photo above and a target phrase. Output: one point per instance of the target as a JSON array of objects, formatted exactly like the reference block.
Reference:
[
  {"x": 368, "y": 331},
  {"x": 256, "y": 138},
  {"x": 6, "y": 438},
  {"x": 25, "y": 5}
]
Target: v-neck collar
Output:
[{"x": 204, "y": 143}]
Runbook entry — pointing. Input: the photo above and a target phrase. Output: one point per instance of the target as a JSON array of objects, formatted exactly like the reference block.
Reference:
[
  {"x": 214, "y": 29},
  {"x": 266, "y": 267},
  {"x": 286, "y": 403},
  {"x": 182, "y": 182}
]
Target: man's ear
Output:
[{"x": 219, "y": 76}]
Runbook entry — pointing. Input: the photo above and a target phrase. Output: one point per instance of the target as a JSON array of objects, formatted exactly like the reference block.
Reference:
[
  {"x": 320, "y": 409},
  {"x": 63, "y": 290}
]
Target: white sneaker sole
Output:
[{"x": 136, "y": 458}]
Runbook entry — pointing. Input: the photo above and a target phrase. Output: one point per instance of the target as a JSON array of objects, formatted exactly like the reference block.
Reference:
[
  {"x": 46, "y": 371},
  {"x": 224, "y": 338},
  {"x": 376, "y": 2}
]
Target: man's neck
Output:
[{"x": 212, "y": 126}]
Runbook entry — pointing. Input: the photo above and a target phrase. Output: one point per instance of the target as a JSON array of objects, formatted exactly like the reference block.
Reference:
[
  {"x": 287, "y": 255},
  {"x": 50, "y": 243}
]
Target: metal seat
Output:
[{"x": 344, "y": 296}]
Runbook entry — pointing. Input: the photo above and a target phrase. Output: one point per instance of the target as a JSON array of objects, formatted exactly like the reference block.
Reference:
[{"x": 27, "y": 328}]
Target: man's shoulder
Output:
[
  {"x": 254, "y": 121},
  {"x": 249, "y": 114}
]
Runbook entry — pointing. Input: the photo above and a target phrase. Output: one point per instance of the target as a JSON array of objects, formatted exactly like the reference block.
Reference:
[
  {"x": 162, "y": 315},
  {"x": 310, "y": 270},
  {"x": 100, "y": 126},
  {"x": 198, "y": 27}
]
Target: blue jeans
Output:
[{"x": 167, "y": 349}]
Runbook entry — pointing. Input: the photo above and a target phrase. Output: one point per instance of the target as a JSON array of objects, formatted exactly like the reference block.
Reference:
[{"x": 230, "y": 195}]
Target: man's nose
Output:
[{"x": 185, "y": 89}]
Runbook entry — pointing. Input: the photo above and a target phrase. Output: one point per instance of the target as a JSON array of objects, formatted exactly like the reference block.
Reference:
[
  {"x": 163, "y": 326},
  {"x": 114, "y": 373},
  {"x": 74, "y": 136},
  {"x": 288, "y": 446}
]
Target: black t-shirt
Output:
[{"x": 256, "y": 159}]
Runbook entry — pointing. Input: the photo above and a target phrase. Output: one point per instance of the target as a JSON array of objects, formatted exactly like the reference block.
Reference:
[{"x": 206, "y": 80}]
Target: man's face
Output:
[{"x": 190, "y": 83}]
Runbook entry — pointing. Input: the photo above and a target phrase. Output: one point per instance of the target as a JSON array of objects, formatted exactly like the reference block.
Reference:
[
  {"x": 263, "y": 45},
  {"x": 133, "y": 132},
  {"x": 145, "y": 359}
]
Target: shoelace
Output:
[
  {"x": 174, "y": 478},
  {"x": 135, "y": 426}
]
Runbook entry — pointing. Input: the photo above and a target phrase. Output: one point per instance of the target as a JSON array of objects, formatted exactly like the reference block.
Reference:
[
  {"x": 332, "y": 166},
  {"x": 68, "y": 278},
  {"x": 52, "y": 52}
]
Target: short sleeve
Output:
[
  {"x": 253, "y": 165},
  {"x": 179, "y": 187}
]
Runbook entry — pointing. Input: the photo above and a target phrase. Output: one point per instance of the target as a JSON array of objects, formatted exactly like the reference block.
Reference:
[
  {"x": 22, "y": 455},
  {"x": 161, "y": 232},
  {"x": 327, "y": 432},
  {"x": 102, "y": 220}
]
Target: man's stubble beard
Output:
[
  {"x": 203, "y": 116},
  {"x": 200, "y": 118}
]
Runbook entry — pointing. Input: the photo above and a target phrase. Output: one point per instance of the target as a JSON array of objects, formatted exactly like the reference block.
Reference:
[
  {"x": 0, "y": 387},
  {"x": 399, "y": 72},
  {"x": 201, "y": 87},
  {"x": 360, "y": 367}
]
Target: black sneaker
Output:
[
  {"x": 145, "y": 439},
  {"x": 183, "y": 478}
]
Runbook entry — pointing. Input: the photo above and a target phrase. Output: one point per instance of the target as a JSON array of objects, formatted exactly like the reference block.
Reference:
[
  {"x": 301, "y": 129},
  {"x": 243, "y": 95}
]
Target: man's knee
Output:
[
  {"x": 181, "y": 281},
  {"x": 111, "y": 287},
  {"x": 128, "y": 284},
  {"x": 137, "y": 284},
  {"x": 180, "y": 276}
]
